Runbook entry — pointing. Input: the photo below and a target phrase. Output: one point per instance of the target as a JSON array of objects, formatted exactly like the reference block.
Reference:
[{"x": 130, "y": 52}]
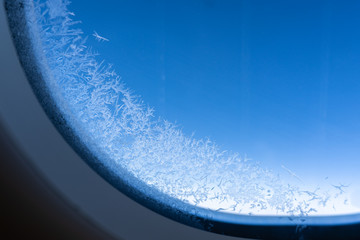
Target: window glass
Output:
[{"x": 241, "y": 107}]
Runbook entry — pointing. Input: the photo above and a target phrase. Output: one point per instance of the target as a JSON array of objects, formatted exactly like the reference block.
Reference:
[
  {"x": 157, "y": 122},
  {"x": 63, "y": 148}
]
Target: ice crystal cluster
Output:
[{"x": 116, "y": 123}]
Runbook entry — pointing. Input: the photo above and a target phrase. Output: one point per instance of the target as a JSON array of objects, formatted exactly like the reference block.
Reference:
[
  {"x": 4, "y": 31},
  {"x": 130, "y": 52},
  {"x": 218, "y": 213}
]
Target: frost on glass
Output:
[{"x": 114, "y": 122}]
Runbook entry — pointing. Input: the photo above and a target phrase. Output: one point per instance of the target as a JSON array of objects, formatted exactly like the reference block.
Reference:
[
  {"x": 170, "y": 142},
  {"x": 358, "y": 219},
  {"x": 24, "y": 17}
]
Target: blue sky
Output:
[{"x": 276, "y": 80}]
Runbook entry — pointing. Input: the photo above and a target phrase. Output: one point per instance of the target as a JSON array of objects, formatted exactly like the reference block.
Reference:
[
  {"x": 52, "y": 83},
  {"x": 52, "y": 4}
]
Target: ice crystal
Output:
[{"x": 104, "y": 111}]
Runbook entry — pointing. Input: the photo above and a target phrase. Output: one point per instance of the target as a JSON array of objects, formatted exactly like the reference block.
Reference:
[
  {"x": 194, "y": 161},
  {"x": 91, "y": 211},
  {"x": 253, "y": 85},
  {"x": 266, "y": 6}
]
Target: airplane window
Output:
[{"x": 236, "y": 117}]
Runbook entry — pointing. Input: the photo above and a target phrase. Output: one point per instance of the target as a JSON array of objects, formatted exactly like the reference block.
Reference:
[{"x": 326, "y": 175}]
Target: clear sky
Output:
[{"x": 276, "y": 80}]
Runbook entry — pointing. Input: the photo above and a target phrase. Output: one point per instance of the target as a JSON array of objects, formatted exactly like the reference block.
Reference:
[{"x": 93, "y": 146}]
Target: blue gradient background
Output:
[{"x": 275, "y": 80}]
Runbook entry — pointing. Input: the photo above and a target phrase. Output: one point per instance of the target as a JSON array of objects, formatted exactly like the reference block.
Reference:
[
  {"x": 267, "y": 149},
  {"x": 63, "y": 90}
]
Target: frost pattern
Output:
[{"x": 116, "y": 122}]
